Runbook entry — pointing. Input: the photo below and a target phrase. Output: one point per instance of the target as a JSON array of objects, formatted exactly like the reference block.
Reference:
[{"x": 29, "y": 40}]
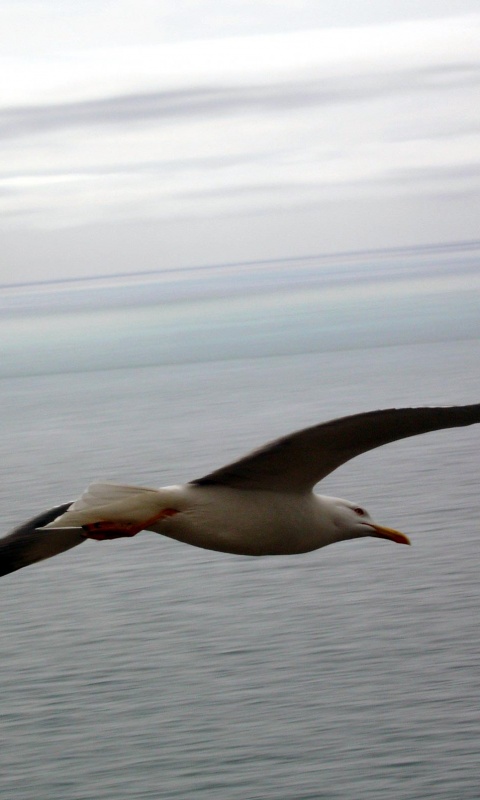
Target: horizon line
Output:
[{"x": 467, "y": 244}]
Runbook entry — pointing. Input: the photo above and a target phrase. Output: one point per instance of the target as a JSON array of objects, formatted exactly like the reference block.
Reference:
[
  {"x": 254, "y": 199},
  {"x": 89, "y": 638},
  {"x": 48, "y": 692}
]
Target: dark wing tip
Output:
[{"x": 16, "y": 548}]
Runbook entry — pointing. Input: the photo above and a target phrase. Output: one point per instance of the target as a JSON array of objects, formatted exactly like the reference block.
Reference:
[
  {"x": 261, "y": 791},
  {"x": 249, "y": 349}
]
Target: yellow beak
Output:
[{"x": 389, "y": 533}]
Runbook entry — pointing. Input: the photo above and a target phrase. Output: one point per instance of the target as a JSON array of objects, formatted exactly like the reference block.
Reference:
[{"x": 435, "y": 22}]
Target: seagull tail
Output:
[
  {"x": 112, "y": 502},
  {"x": 26, "y": 545}
]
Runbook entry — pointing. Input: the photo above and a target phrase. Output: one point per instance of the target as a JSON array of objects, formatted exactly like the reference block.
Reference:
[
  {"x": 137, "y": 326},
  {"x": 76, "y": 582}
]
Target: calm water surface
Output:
[{"x": 147, "y": 669}]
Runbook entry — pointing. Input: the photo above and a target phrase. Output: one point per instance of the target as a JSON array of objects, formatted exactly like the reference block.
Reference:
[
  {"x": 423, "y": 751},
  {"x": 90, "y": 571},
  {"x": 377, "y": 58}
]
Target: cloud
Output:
[
  {"x": 36, "y": 29},
  {"x": 295, "y": 126},
  {"x": 163, "y": 106}
]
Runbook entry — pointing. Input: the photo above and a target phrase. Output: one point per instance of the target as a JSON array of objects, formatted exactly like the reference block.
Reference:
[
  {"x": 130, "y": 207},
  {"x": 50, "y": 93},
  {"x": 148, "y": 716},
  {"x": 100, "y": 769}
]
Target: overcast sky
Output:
[{"x": 149, "y": 134}]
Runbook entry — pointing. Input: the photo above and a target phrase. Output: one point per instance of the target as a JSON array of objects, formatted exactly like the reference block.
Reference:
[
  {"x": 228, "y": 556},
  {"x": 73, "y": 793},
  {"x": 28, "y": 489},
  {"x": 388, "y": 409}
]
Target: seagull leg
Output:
[{"x": 105, "y": 529}]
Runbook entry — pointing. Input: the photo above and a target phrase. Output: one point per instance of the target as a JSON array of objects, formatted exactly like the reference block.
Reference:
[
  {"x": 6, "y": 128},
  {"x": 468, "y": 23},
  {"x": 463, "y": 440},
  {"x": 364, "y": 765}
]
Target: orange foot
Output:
[{"x": 103, "y": 529}]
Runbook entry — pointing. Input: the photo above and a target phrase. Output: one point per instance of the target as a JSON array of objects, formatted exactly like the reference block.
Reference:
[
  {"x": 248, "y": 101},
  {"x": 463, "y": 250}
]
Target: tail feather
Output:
[
  {"x": 112, "y": 502},
  {"x": 101, "y": 494},
  {"x": 25, "y": 545}
]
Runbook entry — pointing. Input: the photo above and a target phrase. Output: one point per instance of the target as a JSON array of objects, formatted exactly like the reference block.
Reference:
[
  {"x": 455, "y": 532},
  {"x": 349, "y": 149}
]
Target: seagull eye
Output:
[{"x": 359, "y": 511}]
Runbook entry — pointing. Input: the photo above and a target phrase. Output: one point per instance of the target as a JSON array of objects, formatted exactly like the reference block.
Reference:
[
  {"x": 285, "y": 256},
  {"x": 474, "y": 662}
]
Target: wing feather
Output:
[
  {"x": 298, "y": 461},
  {"x": 26, "y": 545}
]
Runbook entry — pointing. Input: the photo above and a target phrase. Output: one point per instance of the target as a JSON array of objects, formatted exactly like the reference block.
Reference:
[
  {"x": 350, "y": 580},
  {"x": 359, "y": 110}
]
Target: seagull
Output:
[{"x": 261, "y": 505}]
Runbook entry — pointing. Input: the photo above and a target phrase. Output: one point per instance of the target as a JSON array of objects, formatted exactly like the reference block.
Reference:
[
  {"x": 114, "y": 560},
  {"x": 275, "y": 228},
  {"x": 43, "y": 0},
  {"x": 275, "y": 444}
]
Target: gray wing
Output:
[
  {"x": 297, "y": 462},
  {"x": 25, "y": 545}
]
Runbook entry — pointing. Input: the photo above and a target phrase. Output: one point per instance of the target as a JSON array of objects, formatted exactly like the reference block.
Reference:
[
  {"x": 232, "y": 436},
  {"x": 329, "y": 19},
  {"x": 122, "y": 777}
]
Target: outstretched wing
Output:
[
  {"x": 297, "y": 462},
  {"x": 25, "y": 545}
]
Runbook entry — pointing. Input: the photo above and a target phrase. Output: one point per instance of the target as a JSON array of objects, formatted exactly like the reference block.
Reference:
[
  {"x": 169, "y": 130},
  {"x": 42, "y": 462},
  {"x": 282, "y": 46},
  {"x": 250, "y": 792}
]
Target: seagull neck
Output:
[{"x": 327, "y": 519}]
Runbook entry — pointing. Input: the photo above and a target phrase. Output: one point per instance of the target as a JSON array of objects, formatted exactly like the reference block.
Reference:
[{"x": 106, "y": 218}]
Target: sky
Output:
[{"x": 147, "y": 134}]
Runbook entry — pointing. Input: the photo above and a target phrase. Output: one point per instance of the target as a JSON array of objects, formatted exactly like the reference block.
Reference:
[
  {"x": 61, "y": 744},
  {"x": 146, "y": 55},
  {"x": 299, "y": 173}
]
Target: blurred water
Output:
[
  {"x": 148, "y": 669},
  {"x": 312, "y": 304}
]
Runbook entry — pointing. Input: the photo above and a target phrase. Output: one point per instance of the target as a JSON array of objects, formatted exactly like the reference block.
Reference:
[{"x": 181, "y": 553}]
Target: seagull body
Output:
[
  {"x": 262, "y": 504},
  {"x": 244, "y": 522}
]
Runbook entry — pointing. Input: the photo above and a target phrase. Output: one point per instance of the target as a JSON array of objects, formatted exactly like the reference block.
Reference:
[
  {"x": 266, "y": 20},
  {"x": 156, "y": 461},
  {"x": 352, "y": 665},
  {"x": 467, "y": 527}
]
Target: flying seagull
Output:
[{"x": 262, "y": 504}]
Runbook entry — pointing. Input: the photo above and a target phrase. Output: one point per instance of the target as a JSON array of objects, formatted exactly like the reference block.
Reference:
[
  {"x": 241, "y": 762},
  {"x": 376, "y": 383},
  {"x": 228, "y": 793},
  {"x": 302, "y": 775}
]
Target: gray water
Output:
[{"x": 147, "y": 669}]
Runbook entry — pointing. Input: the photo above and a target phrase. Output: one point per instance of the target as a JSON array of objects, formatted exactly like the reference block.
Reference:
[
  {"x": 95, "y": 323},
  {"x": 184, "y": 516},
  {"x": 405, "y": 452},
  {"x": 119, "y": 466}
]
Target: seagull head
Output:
[{"x": 352, "y": 521}]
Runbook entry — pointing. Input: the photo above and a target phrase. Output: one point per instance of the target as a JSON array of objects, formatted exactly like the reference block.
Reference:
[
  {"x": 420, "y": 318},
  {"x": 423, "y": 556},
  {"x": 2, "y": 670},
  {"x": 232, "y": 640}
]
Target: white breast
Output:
[{"x": 246, "y": 522}]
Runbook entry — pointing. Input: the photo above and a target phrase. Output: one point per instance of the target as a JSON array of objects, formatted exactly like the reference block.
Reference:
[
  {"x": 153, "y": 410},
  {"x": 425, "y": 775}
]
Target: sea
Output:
[{"x": 148, "y": 669}]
